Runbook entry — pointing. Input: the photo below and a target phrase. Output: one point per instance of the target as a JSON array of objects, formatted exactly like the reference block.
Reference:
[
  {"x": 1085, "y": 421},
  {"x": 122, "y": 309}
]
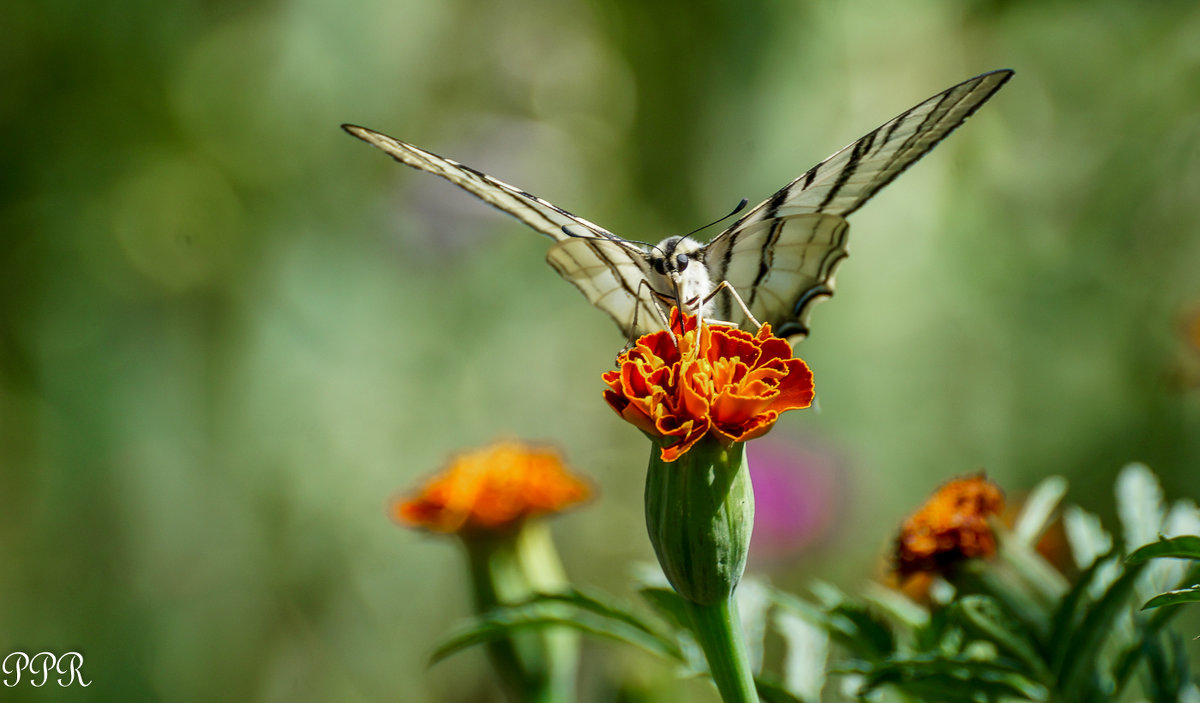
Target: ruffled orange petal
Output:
[{"x": 715, "y": 380}]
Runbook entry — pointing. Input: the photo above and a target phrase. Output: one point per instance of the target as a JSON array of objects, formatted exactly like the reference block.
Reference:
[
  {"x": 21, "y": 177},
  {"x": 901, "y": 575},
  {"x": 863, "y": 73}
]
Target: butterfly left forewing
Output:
[{"x": 607, "y": 269}]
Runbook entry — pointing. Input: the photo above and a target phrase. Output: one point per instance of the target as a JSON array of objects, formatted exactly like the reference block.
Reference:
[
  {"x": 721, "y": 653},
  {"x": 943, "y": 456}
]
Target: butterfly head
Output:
[{"x": 679, "y": 265}]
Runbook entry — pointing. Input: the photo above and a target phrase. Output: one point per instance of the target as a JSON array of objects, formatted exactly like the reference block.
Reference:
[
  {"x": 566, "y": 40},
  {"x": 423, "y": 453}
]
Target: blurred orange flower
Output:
[
  {"x": 681, "y": 385},
  {"x": 492, "y": 489},
  {"x": 1191, "y": 329},
  {"x": 951, "y": 527}
]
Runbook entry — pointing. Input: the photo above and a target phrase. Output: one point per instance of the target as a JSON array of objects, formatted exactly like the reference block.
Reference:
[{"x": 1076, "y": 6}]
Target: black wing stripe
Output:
[
  {"x": 901, "y": 119},
  {"x": 615, "y": 269},
  {"x": 847, "y": 171},
  {"x": 933, "y": 117},
  {"x": 781, "y": 196},
  {"x": 542, "y": 221},
  {"x": 765, "y": 258}
]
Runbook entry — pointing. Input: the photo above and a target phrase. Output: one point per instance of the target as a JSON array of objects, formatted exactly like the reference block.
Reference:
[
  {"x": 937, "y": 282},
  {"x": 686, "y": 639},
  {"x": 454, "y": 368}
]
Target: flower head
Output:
[
  {"x": 683, "y": 384},
  {"x": 950, "y": 528},
  {"x": 492, "y": 489}
]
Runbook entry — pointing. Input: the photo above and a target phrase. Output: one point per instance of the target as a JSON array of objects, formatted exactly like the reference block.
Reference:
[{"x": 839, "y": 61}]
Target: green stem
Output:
[
  {"x": 719, "y": 631},
  {"x": 492, "y": 575},
  {"x": 536, "y": 666}
]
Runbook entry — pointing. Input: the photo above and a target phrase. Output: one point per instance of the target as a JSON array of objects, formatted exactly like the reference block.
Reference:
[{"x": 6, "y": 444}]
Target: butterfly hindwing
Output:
[
  {"x": 780, "y": 267},
  {"x": 611, "y": 276}
]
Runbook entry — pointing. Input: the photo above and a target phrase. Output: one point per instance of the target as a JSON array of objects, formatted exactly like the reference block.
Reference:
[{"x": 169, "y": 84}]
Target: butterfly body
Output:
[{"x": 771, "y": 265}]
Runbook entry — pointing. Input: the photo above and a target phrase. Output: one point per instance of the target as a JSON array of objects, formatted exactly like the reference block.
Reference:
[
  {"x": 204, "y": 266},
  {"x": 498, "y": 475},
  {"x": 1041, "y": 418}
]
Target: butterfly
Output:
[{"x": 770, "y": 265}]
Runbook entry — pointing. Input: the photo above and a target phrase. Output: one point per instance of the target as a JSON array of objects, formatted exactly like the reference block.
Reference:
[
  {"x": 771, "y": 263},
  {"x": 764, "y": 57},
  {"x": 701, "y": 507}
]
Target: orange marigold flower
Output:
[
  {"x": 951, "y": 527},
  {"x": 492, "y": 489},
  {"x": 719, "y": 381}
]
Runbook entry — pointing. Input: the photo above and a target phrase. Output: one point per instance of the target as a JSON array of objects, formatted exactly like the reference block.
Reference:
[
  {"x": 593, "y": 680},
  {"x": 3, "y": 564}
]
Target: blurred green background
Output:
[{"x": 230, "y": 332}]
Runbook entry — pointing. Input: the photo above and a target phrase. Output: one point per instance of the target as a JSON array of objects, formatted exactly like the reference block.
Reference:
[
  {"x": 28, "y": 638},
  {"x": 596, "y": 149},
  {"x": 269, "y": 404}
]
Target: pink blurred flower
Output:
[{"x": 798, "y": 494}]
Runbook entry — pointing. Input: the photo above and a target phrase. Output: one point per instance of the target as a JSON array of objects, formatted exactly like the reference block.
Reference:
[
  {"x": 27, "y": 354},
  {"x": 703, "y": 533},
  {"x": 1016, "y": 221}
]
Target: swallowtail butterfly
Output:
[{"x": 779, "y": 257}]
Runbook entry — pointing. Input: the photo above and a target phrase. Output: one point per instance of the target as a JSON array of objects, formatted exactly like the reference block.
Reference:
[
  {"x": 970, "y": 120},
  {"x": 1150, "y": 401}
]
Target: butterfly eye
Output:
[
  {"x": 681, "y": 262},
  {"x": 658, "y": 266}
]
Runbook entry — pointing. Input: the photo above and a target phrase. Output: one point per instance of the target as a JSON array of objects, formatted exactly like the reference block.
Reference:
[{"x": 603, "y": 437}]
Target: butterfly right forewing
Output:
[
  {"x": 806, "y": 215},
  {"x": 842, "y": 183}
]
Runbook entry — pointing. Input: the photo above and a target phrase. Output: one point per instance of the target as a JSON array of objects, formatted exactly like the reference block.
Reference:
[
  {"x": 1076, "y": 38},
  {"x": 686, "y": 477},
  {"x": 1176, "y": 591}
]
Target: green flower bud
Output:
[{"x": 700, "y": 513}]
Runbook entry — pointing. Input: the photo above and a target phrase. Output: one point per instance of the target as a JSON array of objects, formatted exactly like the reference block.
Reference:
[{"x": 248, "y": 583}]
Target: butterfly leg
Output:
[
  {"x": 662, "y": 320},
  {"x": 724, "y": 285}
]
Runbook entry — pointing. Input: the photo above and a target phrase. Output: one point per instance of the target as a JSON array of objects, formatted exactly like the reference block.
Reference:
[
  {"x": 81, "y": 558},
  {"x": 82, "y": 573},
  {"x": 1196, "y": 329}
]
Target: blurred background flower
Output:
[
  {"x": 799, "y": 494},
  {"x": 223, "y": 321},
  {"x": 492, "y": 489},
  {"x": 949, "y": 528},
  {"x": 492, "y": 499}
]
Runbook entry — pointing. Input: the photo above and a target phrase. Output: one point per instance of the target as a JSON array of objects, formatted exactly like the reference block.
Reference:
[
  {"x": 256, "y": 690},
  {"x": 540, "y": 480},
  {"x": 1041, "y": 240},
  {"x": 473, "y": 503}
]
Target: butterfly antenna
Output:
[
  {"x": 577, "y": 235},
  {"x": 735, "y": 211}
]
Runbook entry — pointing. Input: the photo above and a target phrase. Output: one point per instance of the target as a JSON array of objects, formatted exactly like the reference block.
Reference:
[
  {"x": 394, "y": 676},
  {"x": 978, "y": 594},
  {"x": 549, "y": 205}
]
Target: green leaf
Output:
[
  {"x": 1183, "y": 595},
  {"x": 753, "y": 601},
  {"x": 551, "y": 612},
  {"x": 603, "y": 605},
  {"x": 1068, "y": 612},
  {"x": 799, "y": 607},
  {"x": 806, "y": 653},
  {"x": 1038, "y": 509},
  {"x": 943, "y": 679},
  {"x": 1084, "y": 644},
  {"x": 1148, "y": 629},
  {"x": 900, "y": 608},
  {"x": 674, "y": 609},
  {"x": 1140, "y": 504},
  {"x": 1088, "y": 539},
  {"x": 1187, "y": 547},
  {"x": 983, "y": 617},
  {"x": 771, "y": 691},
  {"x": 861, "y": 630},
  {"x": 669, "y": 604}
]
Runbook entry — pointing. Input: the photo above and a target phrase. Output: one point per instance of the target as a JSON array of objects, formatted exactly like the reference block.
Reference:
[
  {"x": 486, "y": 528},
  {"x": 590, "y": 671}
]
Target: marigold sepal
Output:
[{"x": 700, "y": 513}]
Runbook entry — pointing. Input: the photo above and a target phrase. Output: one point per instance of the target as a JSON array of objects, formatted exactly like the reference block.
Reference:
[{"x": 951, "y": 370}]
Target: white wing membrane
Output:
[
  {"x": 780, "y": 257},
  {"x": 611, "y": 279}
]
